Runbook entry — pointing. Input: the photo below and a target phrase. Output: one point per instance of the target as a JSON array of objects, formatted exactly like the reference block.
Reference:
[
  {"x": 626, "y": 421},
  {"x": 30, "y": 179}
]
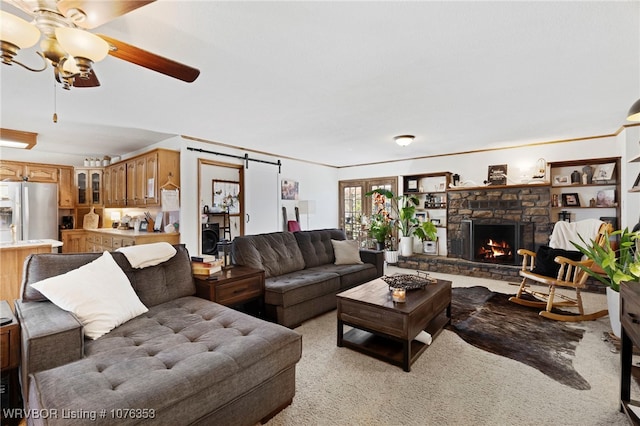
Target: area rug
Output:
[{"x": 487, "y": 320}]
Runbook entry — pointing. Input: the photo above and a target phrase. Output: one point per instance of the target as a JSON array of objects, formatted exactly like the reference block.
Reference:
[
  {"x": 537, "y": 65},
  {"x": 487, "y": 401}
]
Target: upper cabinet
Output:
[
  {"x": 88, "y": 187},
  {"x": 13, "y": 170},
  {"x": 136, "y": 182},
  {"x": 65, "y": 188},
  {"x": 584, "y": 189}
]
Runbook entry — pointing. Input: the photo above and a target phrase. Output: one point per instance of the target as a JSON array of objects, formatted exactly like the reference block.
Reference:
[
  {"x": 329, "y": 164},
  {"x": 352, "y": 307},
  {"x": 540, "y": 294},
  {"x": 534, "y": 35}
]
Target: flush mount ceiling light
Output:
[
  {"x": 634, "y": 112},
  {"x": 404, "y": 140},
  {"x": 17, "y": 139},
  {"x": 61, "y": 26}
]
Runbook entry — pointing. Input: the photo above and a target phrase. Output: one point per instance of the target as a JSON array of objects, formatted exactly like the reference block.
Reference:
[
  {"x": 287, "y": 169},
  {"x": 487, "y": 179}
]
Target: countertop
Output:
[{"x": 30, "y": 243}]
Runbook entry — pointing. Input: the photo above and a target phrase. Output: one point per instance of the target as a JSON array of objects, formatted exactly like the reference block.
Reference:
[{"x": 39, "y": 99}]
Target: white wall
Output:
[{"x": 318, "y": 183}]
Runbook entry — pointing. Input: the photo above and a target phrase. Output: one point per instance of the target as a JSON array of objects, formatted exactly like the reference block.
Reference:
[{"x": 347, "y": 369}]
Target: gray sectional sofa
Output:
[
  {"x": 185, "y": 361},
  {"x": 302, "y": 278}
]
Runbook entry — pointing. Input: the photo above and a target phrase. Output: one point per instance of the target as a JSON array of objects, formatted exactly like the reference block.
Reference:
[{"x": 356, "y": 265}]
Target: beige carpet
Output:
[{"x": 452, "y": 383}]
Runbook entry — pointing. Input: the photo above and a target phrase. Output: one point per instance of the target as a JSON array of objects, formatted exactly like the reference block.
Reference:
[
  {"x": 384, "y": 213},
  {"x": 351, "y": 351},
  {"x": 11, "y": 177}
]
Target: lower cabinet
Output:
[{"x": 98, "y": 241}]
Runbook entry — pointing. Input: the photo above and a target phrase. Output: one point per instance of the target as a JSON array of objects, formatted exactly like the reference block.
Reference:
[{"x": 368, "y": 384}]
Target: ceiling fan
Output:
[{"x": 61, "y": 26}]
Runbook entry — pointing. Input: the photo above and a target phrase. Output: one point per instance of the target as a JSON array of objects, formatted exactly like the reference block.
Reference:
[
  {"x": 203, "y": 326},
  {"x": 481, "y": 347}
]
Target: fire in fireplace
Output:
[{"x": 498, "y": 251}]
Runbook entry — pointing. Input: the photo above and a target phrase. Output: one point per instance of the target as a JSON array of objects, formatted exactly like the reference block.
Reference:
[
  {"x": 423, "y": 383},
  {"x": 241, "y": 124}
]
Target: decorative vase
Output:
[
  {"x": 613, "y": 304},
  {"x": 391, "y": 256},
  {"x": 406, "y": 246}
]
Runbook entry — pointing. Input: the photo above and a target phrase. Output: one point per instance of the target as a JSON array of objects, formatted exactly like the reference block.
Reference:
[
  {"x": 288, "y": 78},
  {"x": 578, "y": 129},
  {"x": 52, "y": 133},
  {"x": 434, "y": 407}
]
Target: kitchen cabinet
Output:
[
  {"x": 107, "y": 239},
  {"x": 579, "y": 197},
  {"x": 88, "y": 185},
  {"x": 115, "y": 185},
  {"x": 34, "y": 172},
  {"x": 143, "y": 173},
  {"x": 74, "y": 240},
  {"x": 65, "y": 188}
]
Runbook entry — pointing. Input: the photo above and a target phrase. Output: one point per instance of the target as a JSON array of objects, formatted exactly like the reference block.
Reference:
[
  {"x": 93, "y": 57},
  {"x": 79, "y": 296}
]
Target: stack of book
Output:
[{"x": 205, "y": 265}]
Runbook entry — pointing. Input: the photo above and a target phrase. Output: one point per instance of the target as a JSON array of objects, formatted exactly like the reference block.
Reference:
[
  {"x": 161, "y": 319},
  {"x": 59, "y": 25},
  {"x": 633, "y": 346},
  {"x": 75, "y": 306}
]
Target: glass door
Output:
[{"x": 356, "y": 208}]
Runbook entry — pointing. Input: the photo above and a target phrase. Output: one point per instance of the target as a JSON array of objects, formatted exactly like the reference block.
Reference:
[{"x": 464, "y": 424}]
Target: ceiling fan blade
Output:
[
  {"x": 91, "y": 14},
  {"x": 92, "y": 81},
  {"x": 149, "y": 60}
]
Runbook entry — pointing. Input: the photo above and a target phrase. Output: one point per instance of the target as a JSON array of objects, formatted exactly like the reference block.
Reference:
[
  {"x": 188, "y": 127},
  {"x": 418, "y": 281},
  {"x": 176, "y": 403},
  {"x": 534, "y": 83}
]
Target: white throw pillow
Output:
[
  {"x": 346, "y": 252},
  {"x": 98, "y": 293}
]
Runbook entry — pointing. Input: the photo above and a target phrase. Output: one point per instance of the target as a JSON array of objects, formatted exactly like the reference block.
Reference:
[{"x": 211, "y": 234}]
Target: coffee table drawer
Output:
[{"x": 372, "y": 318}]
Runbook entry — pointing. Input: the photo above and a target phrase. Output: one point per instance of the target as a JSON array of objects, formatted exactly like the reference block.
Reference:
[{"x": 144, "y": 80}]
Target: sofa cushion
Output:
[
  {"x": 346, "y": 252},
  {"x": 98, "y": 293},
  {"x": 295, "y": 287},
  {"x": 350, "y": 275},
  {"x": 316, "y": 247},
  {"x": 183, "y": 359},
  {"x": 276, "y": 253}
]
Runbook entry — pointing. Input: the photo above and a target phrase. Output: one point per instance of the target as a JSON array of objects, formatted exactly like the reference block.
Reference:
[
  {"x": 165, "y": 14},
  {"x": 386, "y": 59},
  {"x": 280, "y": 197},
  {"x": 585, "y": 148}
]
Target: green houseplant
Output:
[
  {"x": 619, "y": 265},
  {"x": 380, "y": 229},
  {"x": 616, "y": 266}
]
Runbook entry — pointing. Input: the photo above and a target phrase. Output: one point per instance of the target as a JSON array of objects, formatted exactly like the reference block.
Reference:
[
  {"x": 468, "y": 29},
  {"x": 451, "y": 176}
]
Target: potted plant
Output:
[
  {"x": 428, "y": 234},
  {"x": 614, "y": 267},
  {"x": 380, "y": 229},
  {"x": 403, "y": 208}
]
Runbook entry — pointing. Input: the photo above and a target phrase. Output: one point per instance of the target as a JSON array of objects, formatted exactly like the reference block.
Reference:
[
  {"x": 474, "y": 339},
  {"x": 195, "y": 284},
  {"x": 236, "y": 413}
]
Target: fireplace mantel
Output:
[{"x": 493, "y": 187}]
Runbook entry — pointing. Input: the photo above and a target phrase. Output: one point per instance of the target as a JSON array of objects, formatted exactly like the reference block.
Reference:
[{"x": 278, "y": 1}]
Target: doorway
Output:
[
  {"x": 354, "y": 205},
  {"x": 222, "y": 203}
]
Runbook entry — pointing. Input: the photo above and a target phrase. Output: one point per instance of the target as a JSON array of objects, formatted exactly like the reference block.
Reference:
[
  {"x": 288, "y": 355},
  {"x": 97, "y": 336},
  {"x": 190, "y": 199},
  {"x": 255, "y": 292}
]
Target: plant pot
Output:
[
  {"x": 379, "y": 245},
  {"x": 613, "y": 304},
  {"x": 406, "y": 246},
  {"x": 391, "y": 256}
]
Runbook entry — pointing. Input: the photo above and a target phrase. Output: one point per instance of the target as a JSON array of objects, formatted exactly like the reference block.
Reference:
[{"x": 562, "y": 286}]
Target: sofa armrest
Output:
[
  {"x": 374, "y": 257},
  {"x": 50, "y": 337}
]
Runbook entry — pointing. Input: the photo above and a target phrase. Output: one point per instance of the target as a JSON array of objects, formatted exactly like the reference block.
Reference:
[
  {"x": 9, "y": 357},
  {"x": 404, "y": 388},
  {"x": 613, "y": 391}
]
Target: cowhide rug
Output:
[{"x": 488, "y": 320}]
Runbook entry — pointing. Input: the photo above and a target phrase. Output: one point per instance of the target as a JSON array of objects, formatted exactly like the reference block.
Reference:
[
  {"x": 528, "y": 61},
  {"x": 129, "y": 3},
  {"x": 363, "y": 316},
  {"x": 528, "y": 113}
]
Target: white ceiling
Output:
[{"x": 333, "y": 82}]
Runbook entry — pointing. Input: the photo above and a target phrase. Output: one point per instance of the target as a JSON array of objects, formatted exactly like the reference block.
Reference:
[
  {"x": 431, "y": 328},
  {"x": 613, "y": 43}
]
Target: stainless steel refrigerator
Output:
[{"x": 32, "y": 207}]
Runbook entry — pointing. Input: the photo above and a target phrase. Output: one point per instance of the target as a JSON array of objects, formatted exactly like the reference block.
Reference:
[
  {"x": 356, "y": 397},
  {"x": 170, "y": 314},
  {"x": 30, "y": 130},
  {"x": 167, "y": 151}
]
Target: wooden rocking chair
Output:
[{"x": 570, "y": 275}]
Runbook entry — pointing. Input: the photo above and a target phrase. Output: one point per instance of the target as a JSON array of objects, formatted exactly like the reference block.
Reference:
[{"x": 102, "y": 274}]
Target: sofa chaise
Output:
[
  {"x": 185, "y": 361},
  {"x": 304, "y": 270}
]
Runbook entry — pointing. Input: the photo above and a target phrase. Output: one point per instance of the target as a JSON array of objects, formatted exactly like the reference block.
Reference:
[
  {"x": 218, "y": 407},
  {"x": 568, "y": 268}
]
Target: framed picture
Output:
[
  {"x": 606, "y": 198},
  {"x": 571, "y": 200},
  {"x": 604, "y": 172},
  {"x": 436, "y": 222},
  {"x": 226, "y": 196},
  {"x": 441, "y": 187},
  {"x": 497, "y": 175},
  {"x": 612, "y": 220},
  {"x": 421, "y": 217},
  {"x": 561, "y": 180},
  {"x": 412, "y": 185},
  {"x": 289, "y": 189}
]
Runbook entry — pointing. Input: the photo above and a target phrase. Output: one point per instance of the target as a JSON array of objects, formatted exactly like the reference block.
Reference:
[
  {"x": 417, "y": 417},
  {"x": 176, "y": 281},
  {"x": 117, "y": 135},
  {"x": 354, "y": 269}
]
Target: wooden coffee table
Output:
[{"x": 385, "y": 329}]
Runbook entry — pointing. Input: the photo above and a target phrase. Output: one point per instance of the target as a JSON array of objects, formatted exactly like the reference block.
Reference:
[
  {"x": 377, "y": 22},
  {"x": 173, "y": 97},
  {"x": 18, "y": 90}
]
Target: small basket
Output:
[{"x": 408, "y": 281}]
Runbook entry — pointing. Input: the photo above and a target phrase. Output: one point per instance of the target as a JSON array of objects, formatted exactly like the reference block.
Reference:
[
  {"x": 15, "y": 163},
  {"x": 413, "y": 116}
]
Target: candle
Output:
[{"x": 399, "y": 295}]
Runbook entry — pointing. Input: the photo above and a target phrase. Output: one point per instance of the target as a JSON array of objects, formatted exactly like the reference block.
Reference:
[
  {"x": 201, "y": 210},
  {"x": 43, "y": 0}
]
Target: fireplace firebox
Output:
[{"x": 489, "y": 242}]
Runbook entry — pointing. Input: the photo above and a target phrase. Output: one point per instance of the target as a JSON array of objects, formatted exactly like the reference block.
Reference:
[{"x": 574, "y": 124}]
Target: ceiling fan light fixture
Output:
[
  {"x": 634, "y": 112},
  {"x": 15, "y": 34},
  {"x": 404, "y": 140},
  {"x": 83, "y": 46}
]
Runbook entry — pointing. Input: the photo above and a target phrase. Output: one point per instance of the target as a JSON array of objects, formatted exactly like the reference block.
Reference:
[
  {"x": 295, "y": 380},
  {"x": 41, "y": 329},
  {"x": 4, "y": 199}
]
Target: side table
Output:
[
  {"x": 10, "y": 357},
  {"x": 232, "y": 287}
]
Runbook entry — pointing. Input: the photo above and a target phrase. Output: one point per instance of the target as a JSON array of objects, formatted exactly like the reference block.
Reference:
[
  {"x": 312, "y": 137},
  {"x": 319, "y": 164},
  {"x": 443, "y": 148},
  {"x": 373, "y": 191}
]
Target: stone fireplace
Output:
[{"x": 490, "y": 225}]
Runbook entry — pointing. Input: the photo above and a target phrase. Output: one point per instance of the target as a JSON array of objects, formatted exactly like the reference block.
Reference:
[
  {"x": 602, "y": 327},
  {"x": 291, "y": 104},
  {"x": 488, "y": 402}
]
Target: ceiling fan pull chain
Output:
[{"x": 55, "y": 114}]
